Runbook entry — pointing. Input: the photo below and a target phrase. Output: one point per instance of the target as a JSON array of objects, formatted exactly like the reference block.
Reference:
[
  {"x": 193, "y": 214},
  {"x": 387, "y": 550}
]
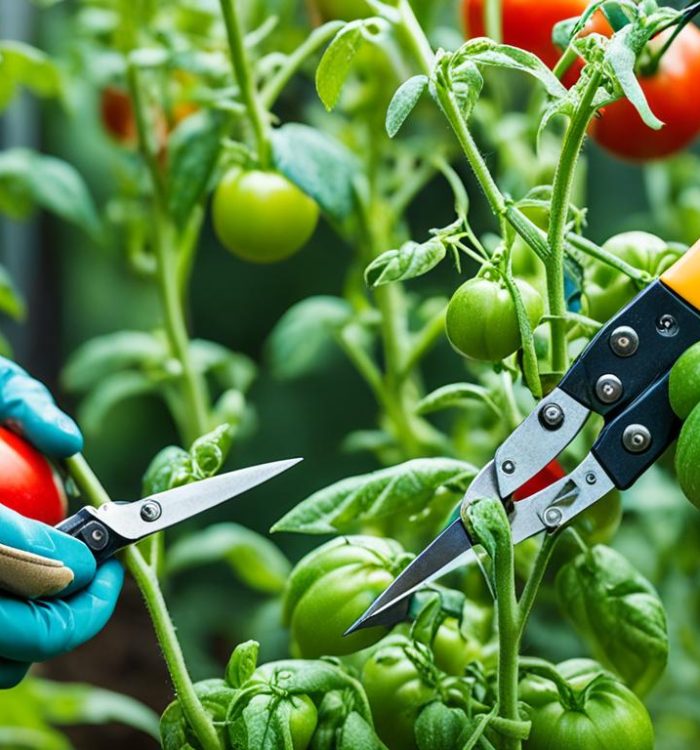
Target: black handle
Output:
[
  {"x": 99, "y": 538},
  {"x": 631, "y": 442},
  {"x": 664, "y": 326}
]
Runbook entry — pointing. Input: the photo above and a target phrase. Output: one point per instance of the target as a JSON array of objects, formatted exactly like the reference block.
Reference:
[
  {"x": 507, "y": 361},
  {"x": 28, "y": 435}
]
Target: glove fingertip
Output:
[
  {"x": 12, "y": 673},
  {"x": 53, "y": 432}
]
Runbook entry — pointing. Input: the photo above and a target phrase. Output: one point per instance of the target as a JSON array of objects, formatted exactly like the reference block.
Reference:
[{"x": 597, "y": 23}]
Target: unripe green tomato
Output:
[
  {"x": 688, "y": 457},
  {"x": 302, "y": 721},
  {"x": 684, "y": 383},
  {"x": 332, "y": 586},
  {"x": 453, "y": 651},
  {"x": 481, "y": 318},
  {"x": 606, "y": 289},
  {"x": 342, "y": 10},
  {"x": 262, "y": 217},
  {"x": 397, "y": 691}
]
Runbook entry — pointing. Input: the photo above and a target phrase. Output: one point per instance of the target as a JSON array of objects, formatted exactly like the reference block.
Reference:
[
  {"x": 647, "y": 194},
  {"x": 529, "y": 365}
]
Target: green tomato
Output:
[
  {"x": 397, "y": 688},
  {"x": 595, "y": 713},
  {"x": 342, "y": 10},
  {"x": 606, "y": 290},
  {"x": 481, "y": 318},
  {"x": 684, "y": 383},
  {"x": 688, "y": 458},
  {"x": 302, "y": 721},
  {"x": 332, "y": 586},
  {"x": 453, "y": 650},
  {"x": 262, "y": 217}
]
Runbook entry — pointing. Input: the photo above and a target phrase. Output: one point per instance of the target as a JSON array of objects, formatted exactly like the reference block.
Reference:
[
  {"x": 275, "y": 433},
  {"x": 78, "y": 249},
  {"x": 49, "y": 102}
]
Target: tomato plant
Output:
[{"x": 456, "y": 203}]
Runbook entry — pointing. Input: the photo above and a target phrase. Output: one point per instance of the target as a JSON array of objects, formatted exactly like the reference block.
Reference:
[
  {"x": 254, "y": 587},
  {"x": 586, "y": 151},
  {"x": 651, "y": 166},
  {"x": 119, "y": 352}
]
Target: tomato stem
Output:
[
  {"x": 561, "y": 199},
  {"x": 243, "y": 73},
  {"x": 493, "y": 20},
  {"x": 641, "y": 278},
  {"x": 532, "y": 586},
  {"x": 147, "y": 581}
]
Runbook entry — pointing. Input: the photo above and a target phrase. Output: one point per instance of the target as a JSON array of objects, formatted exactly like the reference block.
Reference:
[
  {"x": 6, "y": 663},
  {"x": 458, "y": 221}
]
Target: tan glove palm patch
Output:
[{"x": 31, "y": 576}]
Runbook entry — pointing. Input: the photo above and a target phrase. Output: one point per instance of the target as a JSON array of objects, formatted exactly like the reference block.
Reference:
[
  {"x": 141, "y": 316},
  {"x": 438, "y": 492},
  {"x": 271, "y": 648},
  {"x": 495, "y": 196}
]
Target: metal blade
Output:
[
  {"x": 562, "y": 501},
  {"x": 134, "y": 521},
  {"x": 444, "y": 554},
  {"x": 535, "y": 443}
]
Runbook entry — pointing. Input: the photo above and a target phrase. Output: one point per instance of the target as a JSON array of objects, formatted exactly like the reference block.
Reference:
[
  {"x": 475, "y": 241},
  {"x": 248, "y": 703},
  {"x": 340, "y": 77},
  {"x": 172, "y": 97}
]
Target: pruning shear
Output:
[
  {"x": 623, "y": 376},
  {"x": 113, "y": 526}
]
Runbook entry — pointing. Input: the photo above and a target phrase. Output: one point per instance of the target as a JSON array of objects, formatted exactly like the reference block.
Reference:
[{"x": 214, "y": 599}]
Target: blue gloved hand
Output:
[{"x": 70, "y": 600}]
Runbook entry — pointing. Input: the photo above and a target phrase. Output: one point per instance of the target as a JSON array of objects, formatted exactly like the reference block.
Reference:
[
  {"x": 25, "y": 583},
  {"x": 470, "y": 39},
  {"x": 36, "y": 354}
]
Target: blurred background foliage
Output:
[{"x": 77, "y": 289}]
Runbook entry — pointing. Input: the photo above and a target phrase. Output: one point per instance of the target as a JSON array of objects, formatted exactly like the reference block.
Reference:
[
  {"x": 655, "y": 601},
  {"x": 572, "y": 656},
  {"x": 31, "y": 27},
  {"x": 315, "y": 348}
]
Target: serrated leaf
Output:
[
  {"x": 484, "y": 51},
  {"x": 255, "y": 560},
  {"x": 303, "y": 338},
  {"x": 319, "y": 165},
  {"x": 400, "y": 489},
  {"x": 336, "y": 63},
  {"x": 456, "y": 394},
  {"x": 621, "y": 54},
  {"x": 24, "y": 65},
  {"x": 408, "y": 262},
  {"x": 106, "y": 355},
  {"x": 403, "y": 103},
  {"x": 193, "y": 152},
  {"x": 467, "y": 83},
  {"x": 29, "y": 180}
]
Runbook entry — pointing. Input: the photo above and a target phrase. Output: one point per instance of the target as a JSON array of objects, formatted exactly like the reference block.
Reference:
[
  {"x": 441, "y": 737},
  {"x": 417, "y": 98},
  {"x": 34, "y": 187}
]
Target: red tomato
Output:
[
  {"x": 671, "y": 93},
  {"x": 550, "y": 474},
  {"x": 526, "y": 23},
  {"x": 118, "y": 115},
  {"x": 28, "y": 483}
]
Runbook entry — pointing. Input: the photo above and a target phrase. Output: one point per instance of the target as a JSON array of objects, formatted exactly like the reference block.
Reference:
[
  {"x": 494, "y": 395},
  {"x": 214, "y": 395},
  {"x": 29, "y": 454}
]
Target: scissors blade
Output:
[
  {"x": 134, "y": 521},
  {"x": 450, "y": 550}
]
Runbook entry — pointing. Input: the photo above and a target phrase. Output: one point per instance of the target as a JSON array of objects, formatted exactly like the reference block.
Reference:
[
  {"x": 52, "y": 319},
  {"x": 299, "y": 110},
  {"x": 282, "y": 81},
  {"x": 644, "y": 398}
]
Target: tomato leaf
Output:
[
  {"x": 216, "y": 697},
  {"x": 459, "y": 395},
  {"x": 336, "y": 63},
  {"x": 441, "y": 728},
  {"x": 400, "y": 489},
  {"x": 229, "y": 369},
  {"x": 255, "y": 560},
  {"x": 621, "y": 53},
  {"x": 319, "y": 165},
  {"x": 411, "y": 260},
  {"x": 484, "y": 51},
  {"x": 263, "y": 724},
  {"x": 303, "y": 338},
  {"x": 29, "y": 180},
  {"x": 23, "y": 65},
  {"x": 193, "y": 152},
  {"x": 618, "y": 613},
  {"x": 403, "y": 103},
  {"x": 106, "y": 355},
  {"x": 357, "y": 733},
  {"x": 110, "y": 392},
  {"x": 242, "y": 664}
]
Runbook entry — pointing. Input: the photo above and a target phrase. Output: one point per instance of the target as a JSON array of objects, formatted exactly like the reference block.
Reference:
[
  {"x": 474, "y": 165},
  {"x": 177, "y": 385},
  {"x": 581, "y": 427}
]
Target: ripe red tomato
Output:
[
  {"x": 28, "y": 483},
  {"x": 118, "y": 115},
  {"x": 670, "y": 92},
  {"x": 526, "y": 23}
]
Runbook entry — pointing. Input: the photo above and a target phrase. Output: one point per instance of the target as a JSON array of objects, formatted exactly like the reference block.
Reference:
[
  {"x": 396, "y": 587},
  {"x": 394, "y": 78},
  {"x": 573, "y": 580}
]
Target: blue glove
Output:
[{"x": 60, "y": 599}]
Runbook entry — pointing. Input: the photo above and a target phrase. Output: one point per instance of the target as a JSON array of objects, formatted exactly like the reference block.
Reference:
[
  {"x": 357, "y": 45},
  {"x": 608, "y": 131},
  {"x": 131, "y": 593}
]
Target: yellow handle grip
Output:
[{"x": 684, "y": 276}]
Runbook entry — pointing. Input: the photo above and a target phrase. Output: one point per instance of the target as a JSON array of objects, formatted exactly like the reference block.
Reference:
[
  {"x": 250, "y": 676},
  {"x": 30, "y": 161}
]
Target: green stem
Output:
[
  {"x": 493, "y": 20},
  {"x": 147, "y": 582},
  {"x": 561, "y": 199},
  {"x": 243, "y": 73},
  {"x": 430, "y": 334},
  {"x": 641, "y": 278},
  {"x": 415, "y": 37},
  {"x": 169, "y": 286},
  {"x": 527, "y": 598}
]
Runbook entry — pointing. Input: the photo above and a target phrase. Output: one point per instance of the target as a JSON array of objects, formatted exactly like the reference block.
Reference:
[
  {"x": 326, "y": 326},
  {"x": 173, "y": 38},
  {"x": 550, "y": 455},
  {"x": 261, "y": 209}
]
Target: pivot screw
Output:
[
  {"x": 553, "y": 517},
  {"x": 591, "y": 478},
  {"x": 552, "y": 416},
  {"x": 667, "y": 326},
  {"x": 624, "y": 341},
  {"x": 609, "y": 389},
  {"x": 636, "y": 438},
  {"x": 151, "y": 511},
  {"x": 95, "y": 536},
  {"x": 508, "y": 467}
]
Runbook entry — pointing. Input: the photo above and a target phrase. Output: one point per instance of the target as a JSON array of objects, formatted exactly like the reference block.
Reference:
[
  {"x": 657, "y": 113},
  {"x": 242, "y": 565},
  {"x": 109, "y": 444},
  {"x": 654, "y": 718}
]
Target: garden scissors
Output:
[
  {"x": 623, "y": 376},
  {"x": 113, "y": 526}
]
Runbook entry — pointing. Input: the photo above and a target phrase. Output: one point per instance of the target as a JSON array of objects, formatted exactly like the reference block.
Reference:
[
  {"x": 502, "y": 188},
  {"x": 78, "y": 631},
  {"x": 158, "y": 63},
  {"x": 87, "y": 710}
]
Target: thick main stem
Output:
[
  {"x": 147, "y": 582},
  {"x": 243, "y": 74},
  {"x": 561, "y": 199}
]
